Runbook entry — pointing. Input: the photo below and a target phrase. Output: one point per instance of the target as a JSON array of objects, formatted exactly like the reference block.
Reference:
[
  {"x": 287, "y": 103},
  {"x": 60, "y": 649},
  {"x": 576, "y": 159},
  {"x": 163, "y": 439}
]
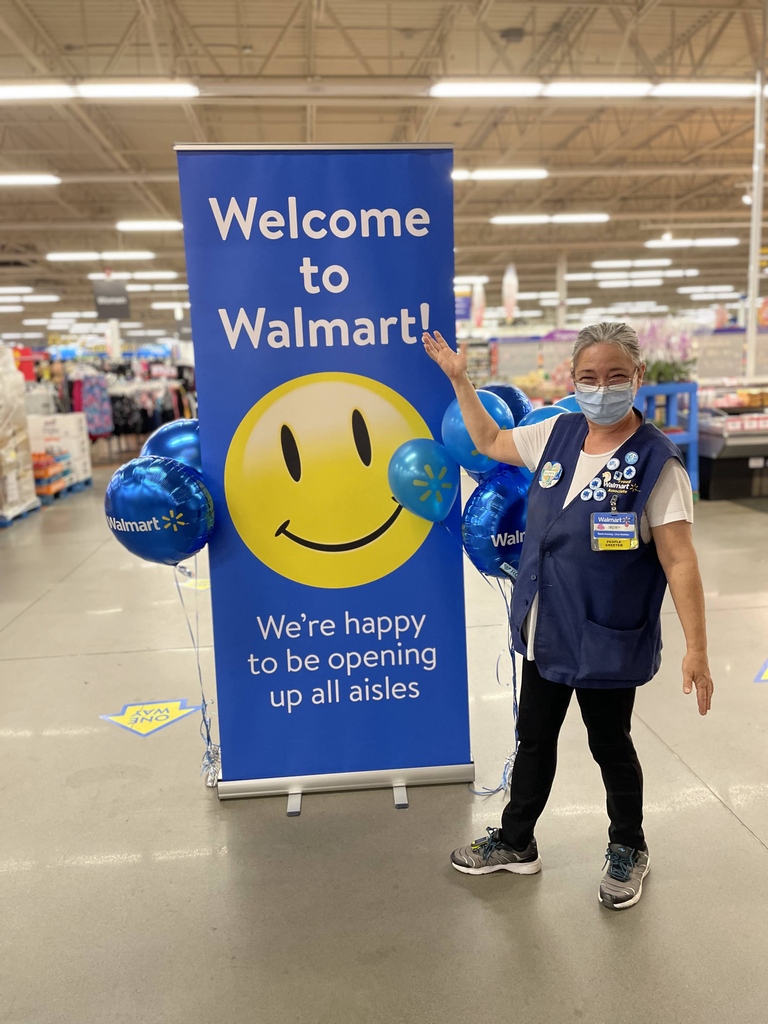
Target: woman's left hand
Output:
[{"x": 696, "y": 673}]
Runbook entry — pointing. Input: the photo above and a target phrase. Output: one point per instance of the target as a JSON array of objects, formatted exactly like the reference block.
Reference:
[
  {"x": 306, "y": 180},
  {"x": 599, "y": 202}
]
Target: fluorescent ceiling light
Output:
[
  {"x": 119, "y": 275},
  {"x": 136, "y": 90},
  {"x": 170, "y": 305},
  {"x": 11, "y": 309},
  {"x": 606, "y": 90},
  {"x": 149, "y": 333},
  {"x": 29, "y": 179},
  {"x": 35, "y": 323},
  {"x": 580, "y": 277},
  {"x": 556, "y": 218},
  {"x": 148, "y": 225},
  {"x": 12, "y": 93},
  {"x": 697, "y": 289},
  {"x": 480, "y": 90},
  {"x": 625, "y": 264},
  {"x": 130, "y": 323},
  {"x": 154, "y": 275},
  {"x": 127, "y": 254},
  {"x": 627, "y": 283},
  {"x": 502, "y": 174},
  {"x": 529, "y": 312},
  {"x": 185, "y": 287},
  {"x": 19, "y": 289},
  {"x": 88, "y": 315},
  {"x": 580, "y": 218},
  {"x": 568, "y": 302},
  {"x": 461, "y": 279},
  {"x": 138, "y": 287},
  {"x": 41, "y": 298},
  {"x": 709, "y": 296},
  {"x": 11, "y": 299},
  {"x": 522, "y": 218},
  {"x": 66, "y": 257},
  {"x": 704, "y": 90},
  {"x": 120, "y": 254},
  {"x": 686, "y": 243}
]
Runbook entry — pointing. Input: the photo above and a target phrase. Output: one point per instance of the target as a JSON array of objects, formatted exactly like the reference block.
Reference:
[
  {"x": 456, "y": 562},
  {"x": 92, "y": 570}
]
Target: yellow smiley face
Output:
[{"x": 306, "y": 480}]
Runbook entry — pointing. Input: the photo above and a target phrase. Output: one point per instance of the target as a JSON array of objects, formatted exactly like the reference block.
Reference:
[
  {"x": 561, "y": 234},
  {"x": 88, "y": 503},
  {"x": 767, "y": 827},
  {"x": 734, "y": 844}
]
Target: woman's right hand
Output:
[{"x": 453, "y": 364}]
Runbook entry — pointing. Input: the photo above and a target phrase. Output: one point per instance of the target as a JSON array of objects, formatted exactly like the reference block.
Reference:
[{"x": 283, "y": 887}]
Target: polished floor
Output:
[{"x": 129, "y": 894}]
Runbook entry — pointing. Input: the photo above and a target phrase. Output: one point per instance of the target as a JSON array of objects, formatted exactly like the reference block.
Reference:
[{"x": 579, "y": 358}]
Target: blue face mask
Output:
[{"x": 606, "y": 407}]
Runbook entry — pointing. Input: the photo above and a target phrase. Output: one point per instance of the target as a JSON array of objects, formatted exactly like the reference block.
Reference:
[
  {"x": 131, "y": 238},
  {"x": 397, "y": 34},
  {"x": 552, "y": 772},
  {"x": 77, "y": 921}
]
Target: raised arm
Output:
[{"x": 488, "y": 437}]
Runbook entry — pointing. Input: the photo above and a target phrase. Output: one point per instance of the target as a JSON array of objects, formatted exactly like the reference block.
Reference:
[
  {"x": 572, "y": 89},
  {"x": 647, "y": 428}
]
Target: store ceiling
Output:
[{"x": 360, "y": 72}]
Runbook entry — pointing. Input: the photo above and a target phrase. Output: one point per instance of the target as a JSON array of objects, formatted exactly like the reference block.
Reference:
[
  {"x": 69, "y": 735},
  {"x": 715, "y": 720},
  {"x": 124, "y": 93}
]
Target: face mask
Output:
[{"x": 605, "y": 407}]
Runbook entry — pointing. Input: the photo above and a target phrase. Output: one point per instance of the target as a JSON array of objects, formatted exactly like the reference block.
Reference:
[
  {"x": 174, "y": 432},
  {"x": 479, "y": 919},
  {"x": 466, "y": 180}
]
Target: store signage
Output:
[
  {"x": 111, "y": 300},
  {"x": 146, "y": 719},
  {"x": 339, "y": 631}
]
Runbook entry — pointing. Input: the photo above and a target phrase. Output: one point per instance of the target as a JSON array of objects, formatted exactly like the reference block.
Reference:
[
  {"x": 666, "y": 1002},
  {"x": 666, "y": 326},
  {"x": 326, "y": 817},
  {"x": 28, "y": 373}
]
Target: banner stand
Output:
[
  {"x": 297, "y": 786},
  {"x": 338, "y": 614}
]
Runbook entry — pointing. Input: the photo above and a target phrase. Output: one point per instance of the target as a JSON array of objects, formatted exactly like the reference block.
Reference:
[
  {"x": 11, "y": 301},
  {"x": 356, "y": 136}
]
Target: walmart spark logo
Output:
[
  {"x": 434, "y": 484},
  {"x": 173, "y": 519}
]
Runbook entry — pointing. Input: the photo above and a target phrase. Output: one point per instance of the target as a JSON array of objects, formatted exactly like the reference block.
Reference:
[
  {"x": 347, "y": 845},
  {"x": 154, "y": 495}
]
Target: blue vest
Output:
[{"x": 599, "y": 612}]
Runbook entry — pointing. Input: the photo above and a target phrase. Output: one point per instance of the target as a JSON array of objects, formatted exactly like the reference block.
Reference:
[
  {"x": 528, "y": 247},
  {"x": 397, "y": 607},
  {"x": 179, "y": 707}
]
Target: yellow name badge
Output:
[{"x": 614, "y": 531}]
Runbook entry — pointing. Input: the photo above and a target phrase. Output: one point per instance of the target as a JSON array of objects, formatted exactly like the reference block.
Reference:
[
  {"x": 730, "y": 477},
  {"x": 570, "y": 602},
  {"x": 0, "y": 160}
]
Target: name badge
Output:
[{"x": 614, "y": 531}]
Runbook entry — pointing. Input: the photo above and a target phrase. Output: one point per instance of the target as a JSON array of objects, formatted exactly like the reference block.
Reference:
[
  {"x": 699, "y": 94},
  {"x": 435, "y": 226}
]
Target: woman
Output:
[{"x": 609, "y": 526}]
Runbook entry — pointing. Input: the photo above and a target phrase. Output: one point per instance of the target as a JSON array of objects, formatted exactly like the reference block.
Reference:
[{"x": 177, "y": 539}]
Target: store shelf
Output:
[{"x": 676, "y": 405}]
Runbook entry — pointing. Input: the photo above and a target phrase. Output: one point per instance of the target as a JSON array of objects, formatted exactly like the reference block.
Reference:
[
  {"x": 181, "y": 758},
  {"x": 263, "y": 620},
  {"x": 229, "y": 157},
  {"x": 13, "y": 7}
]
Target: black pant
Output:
[{"x": 607, "y": 715}]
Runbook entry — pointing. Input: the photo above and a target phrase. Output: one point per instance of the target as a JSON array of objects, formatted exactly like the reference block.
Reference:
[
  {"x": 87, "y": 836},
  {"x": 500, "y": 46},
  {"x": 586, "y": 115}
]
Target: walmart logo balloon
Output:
[
  {"x": 159, "y": 509},
  {"x": 424, "y": 478}
]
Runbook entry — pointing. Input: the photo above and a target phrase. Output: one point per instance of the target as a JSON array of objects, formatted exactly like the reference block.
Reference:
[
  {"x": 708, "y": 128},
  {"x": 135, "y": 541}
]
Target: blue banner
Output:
[{"x": 339, "y": 632}]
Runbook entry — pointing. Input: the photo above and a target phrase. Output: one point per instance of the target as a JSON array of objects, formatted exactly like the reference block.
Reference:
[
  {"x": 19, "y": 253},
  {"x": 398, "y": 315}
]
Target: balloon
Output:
[
  {"x": 493, "y": 524},
  {"x": 178, "y": 440},
  {"x": 568, "y": 403},
  {"x": 424, "y": 478},
  {"x": 518, "y": 402},
  {"x": 480, "y": 478},
  {"x": 546, "y": 412},
  {"x": 159, "y": 509},
  {"x": 456, "y": 437}
]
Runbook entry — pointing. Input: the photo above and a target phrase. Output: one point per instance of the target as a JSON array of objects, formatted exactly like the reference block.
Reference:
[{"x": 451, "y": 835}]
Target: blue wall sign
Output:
[{"x": 338, "y": 615}]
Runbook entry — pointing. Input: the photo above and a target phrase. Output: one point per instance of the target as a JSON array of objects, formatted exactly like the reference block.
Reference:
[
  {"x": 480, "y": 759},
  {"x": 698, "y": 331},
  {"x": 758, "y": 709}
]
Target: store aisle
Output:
[{"x": 130, "y": 894}]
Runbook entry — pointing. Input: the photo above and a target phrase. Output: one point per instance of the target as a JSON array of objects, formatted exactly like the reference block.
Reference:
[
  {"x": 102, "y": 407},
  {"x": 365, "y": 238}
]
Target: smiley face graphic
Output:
[{"x": 306, "y": 480}]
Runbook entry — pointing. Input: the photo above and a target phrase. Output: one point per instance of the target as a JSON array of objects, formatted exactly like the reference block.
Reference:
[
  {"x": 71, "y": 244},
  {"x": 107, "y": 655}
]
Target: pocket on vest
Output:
[{"x": 615, "y": 654}]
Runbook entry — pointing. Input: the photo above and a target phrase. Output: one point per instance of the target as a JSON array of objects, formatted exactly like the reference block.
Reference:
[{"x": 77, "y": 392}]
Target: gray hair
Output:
[{"x": 611, "y": 333}]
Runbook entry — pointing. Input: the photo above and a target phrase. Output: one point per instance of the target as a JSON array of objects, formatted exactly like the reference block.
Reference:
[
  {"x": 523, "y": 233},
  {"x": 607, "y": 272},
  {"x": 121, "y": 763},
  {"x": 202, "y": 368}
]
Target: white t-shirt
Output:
[{"x": 670, "y": 500}]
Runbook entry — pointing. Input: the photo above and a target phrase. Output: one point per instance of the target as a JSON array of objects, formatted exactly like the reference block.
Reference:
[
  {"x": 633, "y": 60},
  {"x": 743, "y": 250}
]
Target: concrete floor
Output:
[{"x": 130, "y": 894}]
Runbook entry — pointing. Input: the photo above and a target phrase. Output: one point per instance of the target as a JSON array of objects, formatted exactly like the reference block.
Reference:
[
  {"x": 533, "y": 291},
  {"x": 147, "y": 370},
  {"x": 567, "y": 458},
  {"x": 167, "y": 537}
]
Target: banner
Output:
[
  {"x": 339, "y": 633},
  {"x": 111, "y": 300}
]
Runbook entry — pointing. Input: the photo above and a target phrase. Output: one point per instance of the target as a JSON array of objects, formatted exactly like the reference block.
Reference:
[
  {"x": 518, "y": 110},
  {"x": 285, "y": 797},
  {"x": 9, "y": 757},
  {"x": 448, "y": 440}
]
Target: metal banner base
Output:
[{"x": 396, "y": 779}]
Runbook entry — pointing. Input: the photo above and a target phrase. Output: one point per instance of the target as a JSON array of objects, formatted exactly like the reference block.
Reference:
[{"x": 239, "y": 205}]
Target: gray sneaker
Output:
[
  {"x": 622, "y": 883},
  {"x": 490, "y": 854}
]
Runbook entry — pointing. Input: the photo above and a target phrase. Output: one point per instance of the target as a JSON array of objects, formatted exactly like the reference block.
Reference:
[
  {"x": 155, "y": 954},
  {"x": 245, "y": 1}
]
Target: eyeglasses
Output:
[{"x": 588, "y": 386}]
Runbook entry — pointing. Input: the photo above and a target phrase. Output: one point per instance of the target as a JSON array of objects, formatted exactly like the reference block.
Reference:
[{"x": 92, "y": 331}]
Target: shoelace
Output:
[
  {"x": 486, "y": 846},
  {"x": 621, "y": 864}
]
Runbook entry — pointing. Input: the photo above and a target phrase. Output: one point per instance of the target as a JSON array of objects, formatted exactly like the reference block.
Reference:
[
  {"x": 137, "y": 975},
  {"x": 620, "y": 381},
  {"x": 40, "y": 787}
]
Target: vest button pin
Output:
[
  {"x": 534, "y": 576},
  {"x": 548, "y": 554}
]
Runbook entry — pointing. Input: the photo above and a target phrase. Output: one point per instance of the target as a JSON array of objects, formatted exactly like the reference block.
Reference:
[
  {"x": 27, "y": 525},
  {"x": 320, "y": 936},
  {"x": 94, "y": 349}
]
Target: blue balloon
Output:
[
  {"x": 159, "y": 509},
  {"x": 456, "y": 437},
  {"x": 518, "y": 402},
  {"x": 424, "y": 478},
  {"x": 493, "y": 524},
  {"x": 178, "y": 440},
  {"x": 539, "y": 415},
  {"x": 568, "y": 403}
]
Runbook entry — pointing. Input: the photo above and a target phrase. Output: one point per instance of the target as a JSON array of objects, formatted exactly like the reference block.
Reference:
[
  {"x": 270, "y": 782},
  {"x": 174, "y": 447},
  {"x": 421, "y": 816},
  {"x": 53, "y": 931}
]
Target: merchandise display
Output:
[
  {"x": 64, "y": 434},
  {"x": 17, "y": 482}
]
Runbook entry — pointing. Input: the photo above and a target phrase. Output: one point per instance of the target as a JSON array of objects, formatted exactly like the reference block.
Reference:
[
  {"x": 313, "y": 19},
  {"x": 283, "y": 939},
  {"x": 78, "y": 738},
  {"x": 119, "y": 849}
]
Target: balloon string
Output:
[
  {"x": 509, "y": 761},
  {"x": 211, "y": 761}
]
